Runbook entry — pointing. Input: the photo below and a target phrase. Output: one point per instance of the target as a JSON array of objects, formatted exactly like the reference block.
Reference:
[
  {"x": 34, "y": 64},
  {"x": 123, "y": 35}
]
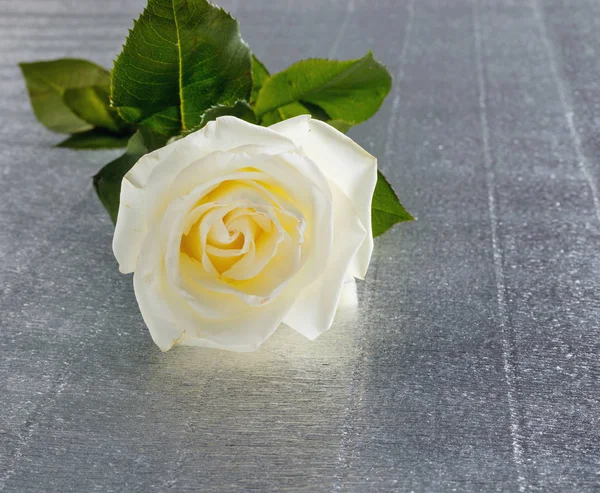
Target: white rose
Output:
[{"x": 236, "y": 228}]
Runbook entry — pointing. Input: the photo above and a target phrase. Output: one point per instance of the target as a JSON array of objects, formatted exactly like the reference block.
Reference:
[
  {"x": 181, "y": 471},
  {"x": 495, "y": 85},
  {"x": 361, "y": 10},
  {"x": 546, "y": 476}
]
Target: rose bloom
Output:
[{"x": 237, "y": 228}]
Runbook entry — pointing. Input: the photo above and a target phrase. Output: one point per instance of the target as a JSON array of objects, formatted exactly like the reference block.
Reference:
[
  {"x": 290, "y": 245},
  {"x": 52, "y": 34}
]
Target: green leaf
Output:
[
  {"x": 316, "y": 111},
  {"x": 166, "y": 122},
  {"x": 241, "y": 110},
  {"x": 284, "y": 113},
  {"x": 271, "y": 118},
  {"x": 351, "y": 91},
  {"x": 386, "y": 209},
  {"x": 107, "y": 182},
  {"x": 295, "y": 109},
  {"x": 91, "y": 104},
  {"x": 47, "y": 83},
  {"x": 181, "y": 58},
  {"x": 95, "y": 139},
  {"x": 259, "y": 75},
  {"x": 147, "y": 141},
  {"x": 340, "y": 125}
]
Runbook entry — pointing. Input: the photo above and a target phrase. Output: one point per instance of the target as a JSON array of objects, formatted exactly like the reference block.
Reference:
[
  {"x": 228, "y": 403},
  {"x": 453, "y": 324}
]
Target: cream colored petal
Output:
[
  {"x": 316, "y": 205},
  {"x": 344, "y": 163},
  {"x": 179, "y": 305},
  {"x": 265, "y": 248},
  {"x": 228, "y": 132},
  {"x": 144, "y": 196},
  {"x": 178, "y": 266},
  {"x": 243, "y": 333},
  {"x": 212, "y": 219},
  {"x": 280, "y": 270},
  {"x": 348, "y": 298},
  {"x": 173, "y": 319},
  {"x": 136, "y": 204},
  {"x": 174, "y": 221},
  {"x": 157, "y": 313},
  {"x": 146, "y": 184},
  {"x": 314, "y": 309},
  {"x": 218, "y": 232}
]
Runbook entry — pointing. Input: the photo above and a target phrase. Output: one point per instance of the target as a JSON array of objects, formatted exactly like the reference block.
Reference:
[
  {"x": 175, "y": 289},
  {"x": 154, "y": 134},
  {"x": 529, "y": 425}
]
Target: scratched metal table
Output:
[{"x": 473, "y": 361}]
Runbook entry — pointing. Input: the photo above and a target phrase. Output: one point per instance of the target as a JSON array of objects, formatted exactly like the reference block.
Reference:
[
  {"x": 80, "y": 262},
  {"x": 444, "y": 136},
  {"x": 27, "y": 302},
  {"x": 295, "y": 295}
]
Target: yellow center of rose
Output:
[
  {"x": 240, "y": 234},
  {"x": 230, "y": 236}
]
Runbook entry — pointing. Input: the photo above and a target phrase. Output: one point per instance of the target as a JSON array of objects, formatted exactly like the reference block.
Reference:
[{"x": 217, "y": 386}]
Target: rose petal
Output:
[
  {"x": 235, "y": 228},
  {"x": 314, "y": 309},
  {"x": 171, "y": 321},
  {"x": 197, "y": 315},
  {"x": 151, "y": 177},
  {"x": 344, "y": 163}
]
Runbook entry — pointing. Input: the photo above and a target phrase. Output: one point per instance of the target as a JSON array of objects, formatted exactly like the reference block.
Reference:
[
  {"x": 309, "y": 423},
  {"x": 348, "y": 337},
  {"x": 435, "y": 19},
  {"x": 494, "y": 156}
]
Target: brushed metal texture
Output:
[{"x": 472, "y": 362}]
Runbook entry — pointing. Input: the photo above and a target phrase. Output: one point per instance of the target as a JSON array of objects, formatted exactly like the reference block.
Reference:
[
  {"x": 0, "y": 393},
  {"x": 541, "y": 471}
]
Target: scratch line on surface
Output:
[
  {"x": 28, "y": 428},
  {"x": 342, "y": 30},
  {"x": 356, "y": 390},
  {"x": 567, "y": 108},
  {"x": 175, "y": 468},
  {"x": 387, "y": 150},
  {"x": 507, "y": 330},
  {"x": 31, "y": 424}
]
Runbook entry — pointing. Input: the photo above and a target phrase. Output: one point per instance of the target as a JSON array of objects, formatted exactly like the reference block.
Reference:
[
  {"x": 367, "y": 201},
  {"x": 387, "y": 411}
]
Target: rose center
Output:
[{"x": 230, "y": 240}]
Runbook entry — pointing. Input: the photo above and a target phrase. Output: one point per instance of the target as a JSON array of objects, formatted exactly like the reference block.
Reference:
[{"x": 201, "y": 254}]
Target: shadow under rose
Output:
[
  {"x": 285, "y": 351},
  {"x": 278, "y": 408}
]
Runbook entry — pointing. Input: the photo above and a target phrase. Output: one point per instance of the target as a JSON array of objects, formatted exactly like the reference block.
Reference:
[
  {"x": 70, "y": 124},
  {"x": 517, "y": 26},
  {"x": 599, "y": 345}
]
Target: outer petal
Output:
[
  {"x": 135, "y": 201},
  {"x": 151, "y": 177},
  {"x": 315, "y": 307},
  {"x": 176, "y": 309},
  {"x": 172, "y": 320},
  {"x": 289, "y": 173},
  {"x": 344, "y": 163}
]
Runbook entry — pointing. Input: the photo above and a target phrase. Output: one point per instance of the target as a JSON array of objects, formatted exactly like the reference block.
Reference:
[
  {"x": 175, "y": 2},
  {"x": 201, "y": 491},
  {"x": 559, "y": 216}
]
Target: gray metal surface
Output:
[{"x": 473, "y": 362}]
